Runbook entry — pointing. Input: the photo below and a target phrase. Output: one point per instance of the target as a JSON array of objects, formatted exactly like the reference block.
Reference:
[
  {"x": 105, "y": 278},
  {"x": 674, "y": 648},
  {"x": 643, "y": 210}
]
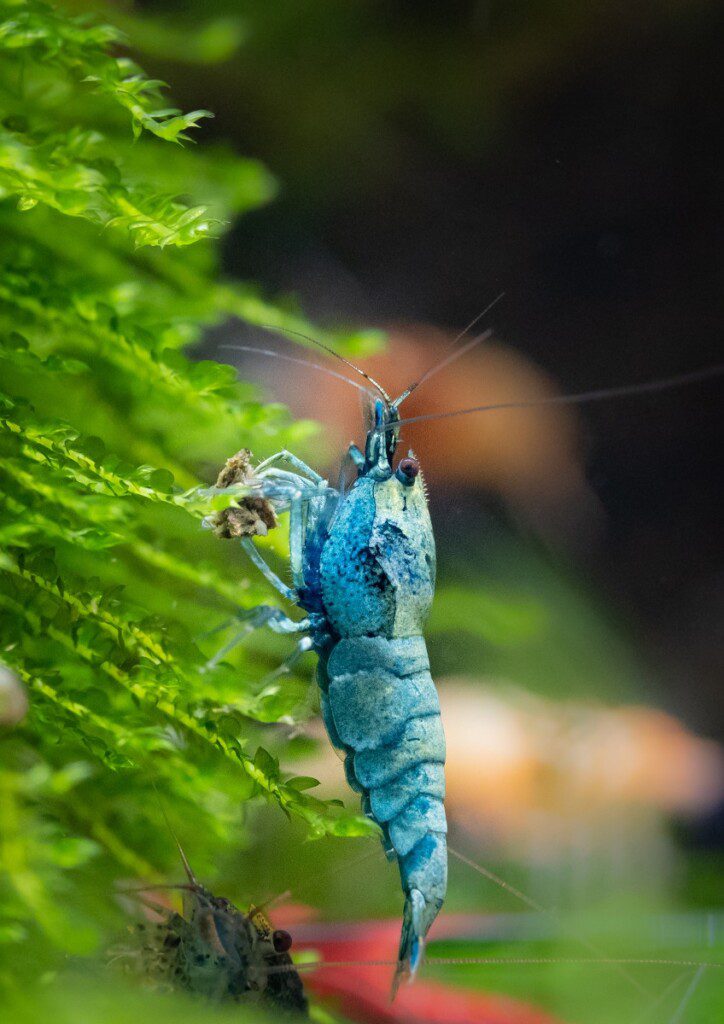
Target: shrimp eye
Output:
[
  {"x": 282, "y": 941},
  {"x": 407, "y": 471}
]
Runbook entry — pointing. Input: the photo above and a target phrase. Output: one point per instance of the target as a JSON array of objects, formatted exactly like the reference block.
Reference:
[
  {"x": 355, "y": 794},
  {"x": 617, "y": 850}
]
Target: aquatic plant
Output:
[{"x": 109, "y": 271}]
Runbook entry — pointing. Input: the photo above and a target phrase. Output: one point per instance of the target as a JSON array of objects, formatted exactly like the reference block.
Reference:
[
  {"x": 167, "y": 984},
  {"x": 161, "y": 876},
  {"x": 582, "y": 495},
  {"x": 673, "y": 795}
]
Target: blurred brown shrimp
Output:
[{"x": 215, "y": 951}]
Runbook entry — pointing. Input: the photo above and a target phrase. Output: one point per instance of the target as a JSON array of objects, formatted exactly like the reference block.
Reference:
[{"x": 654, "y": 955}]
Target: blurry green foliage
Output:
[
  {"x": 107, "y": 582},
  {"x": 84, "y": 997},
  {"x": 519, "y": 615}
]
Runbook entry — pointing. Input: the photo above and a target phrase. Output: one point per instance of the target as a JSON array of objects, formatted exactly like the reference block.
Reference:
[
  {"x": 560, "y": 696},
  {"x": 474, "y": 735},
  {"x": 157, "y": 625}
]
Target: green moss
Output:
[{"x": 108, "y": 271}]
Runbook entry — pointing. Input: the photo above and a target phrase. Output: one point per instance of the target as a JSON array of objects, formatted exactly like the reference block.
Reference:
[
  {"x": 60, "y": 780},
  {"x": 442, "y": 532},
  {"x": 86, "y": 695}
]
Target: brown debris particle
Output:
[{"x": 250, "y": 516}]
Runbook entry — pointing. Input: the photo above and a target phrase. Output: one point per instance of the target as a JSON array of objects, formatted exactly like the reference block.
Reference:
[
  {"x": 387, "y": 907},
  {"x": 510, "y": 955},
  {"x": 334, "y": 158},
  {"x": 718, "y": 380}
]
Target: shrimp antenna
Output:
[
  {"x": 442, "y": 363},
  {"x": 579, "y": 398},
  {"x": 326, "y": 348},
  {"x": 289, "y": 893},
  {"x": 493, "y": 961},
  {"x": 270, "y": 901},
  {"x": 129, "y": 889},
  {"x": 539, "y": 909},
  {"x": 184, "y": 859},
  {"x": 456, "y": 354},
  {"x": 300, "y": 362}
]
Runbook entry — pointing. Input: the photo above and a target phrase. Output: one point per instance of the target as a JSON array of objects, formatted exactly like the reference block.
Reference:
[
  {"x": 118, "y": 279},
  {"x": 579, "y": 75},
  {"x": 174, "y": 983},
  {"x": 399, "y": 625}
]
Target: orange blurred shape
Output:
[
  {"x": 518, "y": 763},
  {"x": 511, "y": 754}
]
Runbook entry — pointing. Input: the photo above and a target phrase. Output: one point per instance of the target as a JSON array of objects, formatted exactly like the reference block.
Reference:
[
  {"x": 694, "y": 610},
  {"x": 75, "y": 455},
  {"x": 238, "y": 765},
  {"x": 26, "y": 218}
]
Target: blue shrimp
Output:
[{"x": 363, "y": 569}]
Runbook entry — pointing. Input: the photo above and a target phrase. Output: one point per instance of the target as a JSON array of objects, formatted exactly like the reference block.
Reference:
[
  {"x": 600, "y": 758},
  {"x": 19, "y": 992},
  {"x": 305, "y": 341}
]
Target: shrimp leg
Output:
[
  {"x": 293, "y": 460},
  {"x": 256, "y": 618}
]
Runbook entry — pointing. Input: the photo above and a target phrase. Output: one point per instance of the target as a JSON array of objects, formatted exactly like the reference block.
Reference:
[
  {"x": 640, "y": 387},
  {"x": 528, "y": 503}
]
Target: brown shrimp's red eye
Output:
[
  {"x": 407, "y": 470},
  {"x": 282, "y": 941}
]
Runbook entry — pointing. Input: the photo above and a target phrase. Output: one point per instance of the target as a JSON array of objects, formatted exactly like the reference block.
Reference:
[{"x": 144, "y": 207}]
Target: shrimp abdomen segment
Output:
[{"x": 382, "y": 709}]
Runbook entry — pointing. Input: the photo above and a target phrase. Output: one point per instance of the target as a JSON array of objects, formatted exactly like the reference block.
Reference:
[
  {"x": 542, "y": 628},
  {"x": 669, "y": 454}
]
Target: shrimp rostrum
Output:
[{"x": 363, "y": 570}]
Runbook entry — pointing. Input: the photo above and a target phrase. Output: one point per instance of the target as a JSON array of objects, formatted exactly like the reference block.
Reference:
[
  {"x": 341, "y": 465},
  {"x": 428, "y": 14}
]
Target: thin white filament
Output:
[
  {"x": 300, "y": 362},
  {"x": 500, "y": 961},
  {"x": 579, "y": 398},
  {"x": 347, "y": 866},
  {"x": 456, "y": 354},
  {"x": 331, "y": 352},
  {"x": 433, "y": 369},
  {"x": 486, "y": 873},
  {"x": 686, "y": 998},
  {"x": 661, "y": 998}
]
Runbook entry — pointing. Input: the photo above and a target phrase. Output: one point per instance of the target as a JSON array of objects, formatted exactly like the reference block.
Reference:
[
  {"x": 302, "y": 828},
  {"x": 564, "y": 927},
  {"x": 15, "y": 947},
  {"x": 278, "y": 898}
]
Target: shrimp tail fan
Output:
[{"x": 412, "y": 940}]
